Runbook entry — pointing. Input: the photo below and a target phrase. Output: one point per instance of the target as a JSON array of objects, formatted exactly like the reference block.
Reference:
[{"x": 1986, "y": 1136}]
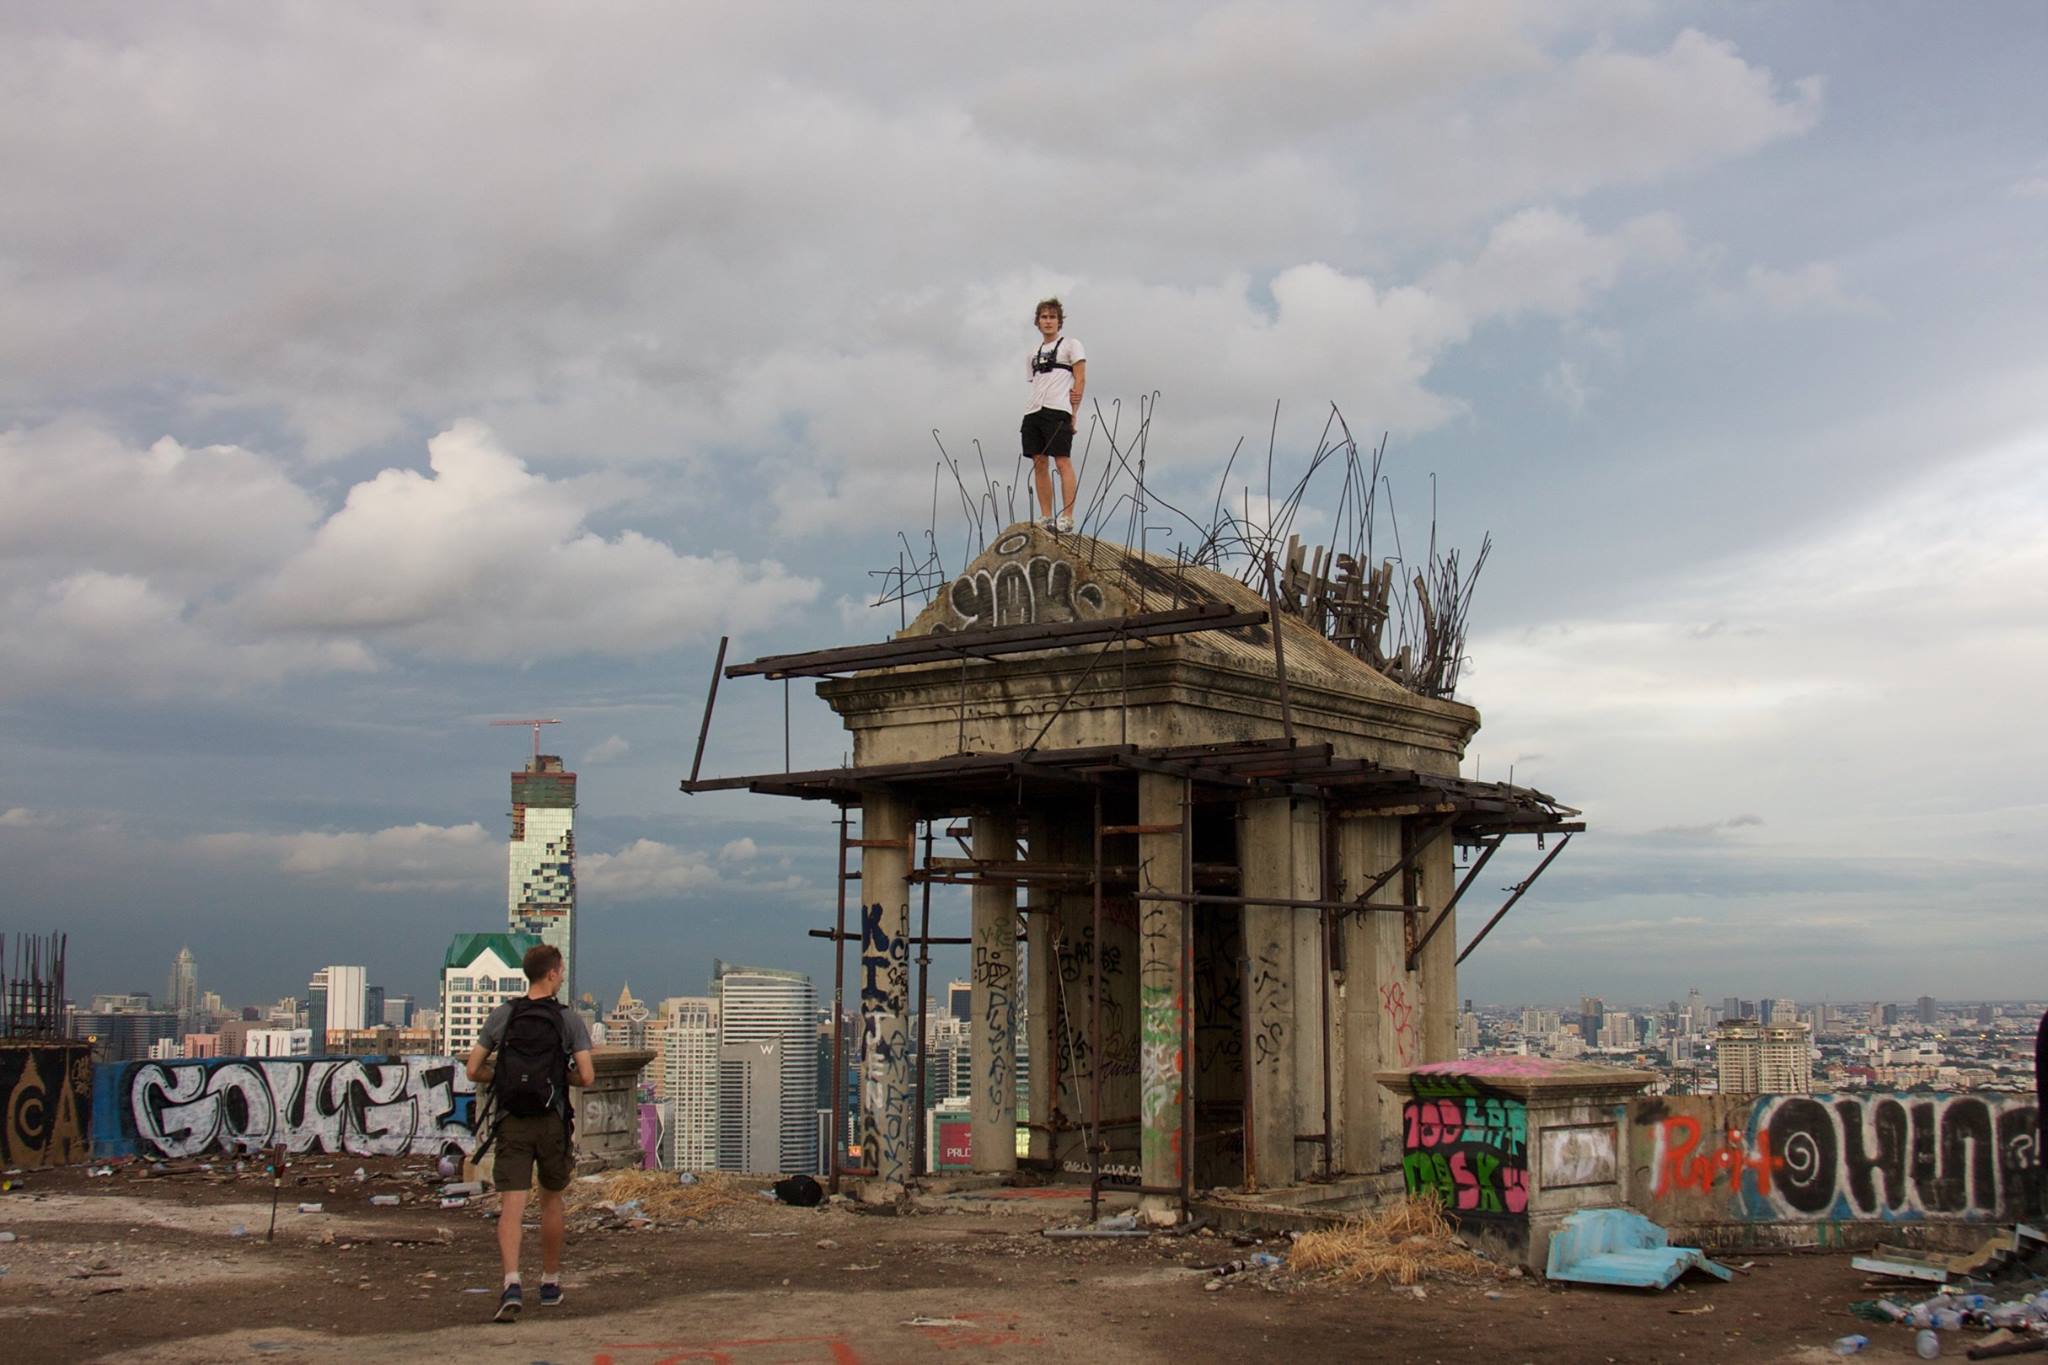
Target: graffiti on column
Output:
[
  {"x": 1219, "y": 1014},
  {"x": 1398, "y": 1020},
  {"x": 886, "y": 1099},
  {"x": 1832, "y": 1158},
  {"x": 1162, "y": 1063},
  {"x": 365, "y": 1108},
  {"x": 1118, "y": 1048},
  {"x": 1467, "y": 1145},
  {"x": 1272, "y": 1008},
  {"x": 994, "y": 975},
  {"x": 47, "y": 1091}
]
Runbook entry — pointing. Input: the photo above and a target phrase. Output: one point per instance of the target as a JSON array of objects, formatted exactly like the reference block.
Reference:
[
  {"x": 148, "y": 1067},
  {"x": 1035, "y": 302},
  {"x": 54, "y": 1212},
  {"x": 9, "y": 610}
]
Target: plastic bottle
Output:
[
  {"x": 1891, "y": 1310},
  {"x": 1851, "y": 1344},
  {"x": 1947, "y": 1319},
  {"x": 1926, "y": 1344}
]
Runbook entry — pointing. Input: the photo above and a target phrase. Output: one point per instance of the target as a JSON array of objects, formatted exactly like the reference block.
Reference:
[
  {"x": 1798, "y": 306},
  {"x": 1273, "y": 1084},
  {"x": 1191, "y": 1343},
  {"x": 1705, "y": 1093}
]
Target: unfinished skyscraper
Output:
[
  {"x": 541, "y": 883},
  {"x": 1234, "y": 825}
]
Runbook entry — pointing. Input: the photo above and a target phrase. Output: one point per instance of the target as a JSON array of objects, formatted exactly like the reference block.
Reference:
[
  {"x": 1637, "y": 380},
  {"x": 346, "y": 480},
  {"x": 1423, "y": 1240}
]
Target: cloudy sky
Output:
[{"x": 368, "y": 373}]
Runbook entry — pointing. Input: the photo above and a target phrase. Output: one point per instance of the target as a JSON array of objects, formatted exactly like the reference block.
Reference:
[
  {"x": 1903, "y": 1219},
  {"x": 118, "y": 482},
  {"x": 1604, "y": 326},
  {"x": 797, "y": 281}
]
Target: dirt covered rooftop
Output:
[{"x": 175, "y": 1266}]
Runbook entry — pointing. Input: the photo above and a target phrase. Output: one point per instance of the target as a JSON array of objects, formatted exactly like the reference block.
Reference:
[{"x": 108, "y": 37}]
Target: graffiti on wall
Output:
[
  {"x": 1467, "y": 1145},
  {"x": 356, "y": 1105},
  {"x": 1902, "y": 1157},
  {"x": 1019, "y": 590},
  {"x": 47, "y": 1090}
]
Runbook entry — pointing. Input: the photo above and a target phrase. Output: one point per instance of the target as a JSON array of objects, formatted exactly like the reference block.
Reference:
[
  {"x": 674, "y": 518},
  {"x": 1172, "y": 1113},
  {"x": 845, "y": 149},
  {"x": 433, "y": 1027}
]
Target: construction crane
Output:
[{"x": 536, "y": 723}]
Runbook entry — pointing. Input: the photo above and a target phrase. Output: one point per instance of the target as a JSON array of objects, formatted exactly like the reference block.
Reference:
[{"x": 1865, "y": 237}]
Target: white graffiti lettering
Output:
[{"x": 364, "y": 1108}]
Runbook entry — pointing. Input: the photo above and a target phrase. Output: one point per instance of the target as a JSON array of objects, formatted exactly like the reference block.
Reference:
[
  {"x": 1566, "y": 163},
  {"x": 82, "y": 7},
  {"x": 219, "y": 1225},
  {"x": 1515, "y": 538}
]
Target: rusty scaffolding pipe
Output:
[
  {"x": 838, "y": 1013},
  {"x": 1095, "y": 1031},
  {"x": 1187, "y": 1000},
  {"x": 924, "y": 974},
  {"x": 1323, "y": 940}
]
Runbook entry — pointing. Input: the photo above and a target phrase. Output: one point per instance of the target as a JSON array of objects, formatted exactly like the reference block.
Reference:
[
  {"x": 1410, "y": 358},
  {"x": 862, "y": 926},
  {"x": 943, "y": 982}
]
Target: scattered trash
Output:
[
  {"x": 1094, "y": 1232},
  {"x": 827, "y": 1244},
  {"x": 312, "y": 1208},
  {"x": 1851, "y": 1344},
  {"x": 97, "y": 1171},
  {"x": 659, "y": 1195},
  {"x": 454, "y": 1201},
  {"x": 463, "y": 1187},
  {"x": 922, "y": 1321},
  {"x": 1495, "y": 1294},
  {"x": 1926, "y": 1343},
  {"x": 361, "y": 1175},
  {"x": 384, "y": 1201},
  {"x": 1122, "y": 1222},
  {"x": 1700, "y": 1311},
  {"x": 686, "y": 1177},
  {"x": 7, "y": 1237},
  {"x": 1265, "y": 1260},
  {"x": 1213, "y": 1285},
  {"x": 1623, "y": 1248},
  {"x": 448, "y": 1166},
  {"x": 239, "y": 1230}
]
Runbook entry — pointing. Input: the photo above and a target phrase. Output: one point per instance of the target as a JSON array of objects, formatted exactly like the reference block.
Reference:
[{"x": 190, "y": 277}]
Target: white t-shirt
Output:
[{"x": 1052, "y": 389}]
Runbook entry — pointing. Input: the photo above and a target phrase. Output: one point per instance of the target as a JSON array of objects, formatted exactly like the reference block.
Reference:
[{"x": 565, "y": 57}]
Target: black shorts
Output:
[
  {"x": 524, "y": 1143},
  {"x": 1049, "y": 431}
]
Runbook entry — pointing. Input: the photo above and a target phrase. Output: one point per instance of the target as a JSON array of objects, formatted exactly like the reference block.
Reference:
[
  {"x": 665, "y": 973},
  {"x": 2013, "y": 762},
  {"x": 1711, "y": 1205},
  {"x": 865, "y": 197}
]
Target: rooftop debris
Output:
[
  {"x": 1401, "y": 1244},
  {"x": 1622, "y": 1248}
]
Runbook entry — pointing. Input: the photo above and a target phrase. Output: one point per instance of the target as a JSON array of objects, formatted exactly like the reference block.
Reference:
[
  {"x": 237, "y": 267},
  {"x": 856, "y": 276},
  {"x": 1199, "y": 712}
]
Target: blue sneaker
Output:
[
  {"x": 509, "y": 1304},
  {"x": 550, "y": 1294}
]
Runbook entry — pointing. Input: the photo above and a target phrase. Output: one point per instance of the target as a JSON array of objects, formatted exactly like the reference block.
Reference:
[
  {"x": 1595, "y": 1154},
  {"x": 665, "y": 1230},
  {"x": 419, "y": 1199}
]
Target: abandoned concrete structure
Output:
[{"x": 1226, "y": 843}]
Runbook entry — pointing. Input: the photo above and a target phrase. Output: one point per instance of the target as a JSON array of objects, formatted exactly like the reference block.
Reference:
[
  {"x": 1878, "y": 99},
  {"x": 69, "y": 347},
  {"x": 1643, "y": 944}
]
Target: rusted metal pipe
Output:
[
  {"x": 838, "y": 1134},
  {"x": 1095, "y": 1031},
  {"x": 710, "y": 699},
  {"x": 924, "y": 974}
]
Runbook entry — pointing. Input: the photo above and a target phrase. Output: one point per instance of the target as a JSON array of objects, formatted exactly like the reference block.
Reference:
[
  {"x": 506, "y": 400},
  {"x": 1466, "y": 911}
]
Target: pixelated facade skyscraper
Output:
[{"x": 541, "y": 881}]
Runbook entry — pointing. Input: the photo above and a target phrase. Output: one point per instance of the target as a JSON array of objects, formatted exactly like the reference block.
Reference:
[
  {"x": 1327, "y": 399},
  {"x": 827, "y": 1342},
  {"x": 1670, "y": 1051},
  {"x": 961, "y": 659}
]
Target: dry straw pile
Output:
[
  {"x": 1402, "y": 1244},
  {"x": 661, "y": 1197}
]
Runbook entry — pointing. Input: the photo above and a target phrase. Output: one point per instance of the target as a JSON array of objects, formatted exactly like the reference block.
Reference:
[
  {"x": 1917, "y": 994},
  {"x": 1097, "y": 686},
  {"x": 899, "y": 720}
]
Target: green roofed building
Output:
[{"x": 477, "y": 972}]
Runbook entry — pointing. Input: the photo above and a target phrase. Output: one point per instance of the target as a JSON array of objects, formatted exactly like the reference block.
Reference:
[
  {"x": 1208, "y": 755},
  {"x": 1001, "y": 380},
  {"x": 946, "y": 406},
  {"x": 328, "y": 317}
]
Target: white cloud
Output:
[
  {"x": 608, "y": 750},
  {"x": 739, "y": 850},
  {"x": 403, "y": 858},
  {"x": 482, "y": 559},
  {"x": 1814, "y": 289},
  {"x": 645, "y": 870}
]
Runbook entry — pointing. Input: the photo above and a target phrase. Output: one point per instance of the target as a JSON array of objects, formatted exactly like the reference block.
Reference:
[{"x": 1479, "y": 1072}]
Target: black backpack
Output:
[{"x": 532, "y": 1074}]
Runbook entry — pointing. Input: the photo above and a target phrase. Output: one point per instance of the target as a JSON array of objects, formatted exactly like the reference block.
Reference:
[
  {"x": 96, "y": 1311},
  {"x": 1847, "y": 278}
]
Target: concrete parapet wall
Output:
[
  {"x": 365, "y": 1106},
  {"x": 45, "y": 1103},
  {"x": 1835, "y": 1169}
]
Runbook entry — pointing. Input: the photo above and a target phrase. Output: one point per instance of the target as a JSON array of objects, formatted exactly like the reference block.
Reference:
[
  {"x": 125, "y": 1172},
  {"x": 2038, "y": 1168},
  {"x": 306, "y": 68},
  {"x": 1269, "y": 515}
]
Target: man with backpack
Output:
[{"x": 541, "y": 1050}]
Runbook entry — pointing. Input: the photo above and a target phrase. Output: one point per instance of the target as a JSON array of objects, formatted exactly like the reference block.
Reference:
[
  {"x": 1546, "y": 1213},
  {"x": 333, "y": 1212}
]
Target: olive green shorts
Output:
[{"x": 523, "y": 1143}]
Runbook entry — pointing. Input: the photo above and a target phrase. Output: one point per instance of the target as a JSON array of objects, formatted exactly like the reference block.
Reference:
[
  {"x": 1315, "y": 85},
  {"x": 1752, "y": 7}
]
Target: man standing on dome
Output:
[{"x": 1058, "y": 373}]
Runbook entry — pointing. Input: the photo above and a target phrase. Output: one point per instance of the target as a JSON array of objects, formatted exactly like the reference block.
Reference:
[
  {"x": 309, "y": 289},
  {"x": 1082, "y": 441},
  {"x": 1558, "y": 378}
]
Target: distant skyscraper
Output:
[
  {"x": 183, "y": 997},
  {"x": 750, "y": 1094},
  {"x": 1928, "y": 1014},
  {"x": 341, "y": 997},
  {"x": 759, "y": 1005},
  {"x": 960, "y": 1000},
  {"x": 541, "y": 882},
  {"x": 688, "y": 1042},
  {"x": 1764, "y": 1059}
]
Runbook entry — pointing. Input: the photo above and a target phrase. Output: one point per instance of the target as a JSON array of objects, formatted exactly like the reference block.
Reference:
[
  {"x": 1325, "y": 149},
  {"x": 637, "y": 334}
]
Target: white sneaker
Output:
[
  {"x": 1051, "y": 523},
  {"x": 1066, "y": 524}
]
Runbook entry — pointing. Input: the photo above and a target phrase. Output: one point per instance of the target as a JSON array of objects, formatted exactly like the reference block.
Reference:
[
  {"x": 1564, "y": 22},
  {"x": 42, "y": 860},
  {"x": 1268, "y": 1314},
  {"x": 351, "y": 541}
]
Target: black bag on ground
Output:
[
  {"x": 532, "y": 1074},
  {"x": 800, "y": 1190}
]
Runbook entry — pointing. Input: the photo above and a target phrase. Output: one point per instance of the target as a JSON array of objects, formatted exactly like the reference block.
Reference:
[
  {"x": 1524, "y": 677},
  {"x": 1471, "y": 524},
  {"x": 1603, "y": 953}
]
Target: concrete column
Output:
[
  {"x": 1162, "y": 996},
  {"x": 1041, "y": 978},
  {"x": 994, "y": 1002},
  {"x": 1306, "y": 857},
  {"x": 887, "y": 1097},
  {"x": 1382, "y": 1026},
  {"x": 1266, "y": 857},
  {"x": 1436, "y": 966}
]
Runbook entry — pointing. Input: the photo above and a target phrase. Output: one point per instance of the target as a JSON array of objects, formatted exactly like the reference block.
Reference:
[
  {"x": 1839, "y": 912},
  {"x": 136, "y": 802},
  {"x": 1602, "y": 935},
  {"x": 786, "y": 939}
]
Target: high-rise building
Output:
[
  {"x": 373, "y": 1008},
  {"x": 1783, "y": 1012},
  {"x": 541, "y": 880},
  {"x": 182, "y": 999},
  {"x": 397, "y": 1011},
  {"x": 478, "y": 972},
  {"x": 750, "y": 1119},
  {"x": 762, "y": 1005},
  {"x": 960, "y": 1000},
  {"x": 1764, "y": 1059},
  {"x": 209, "y": 1003},
  {"x": 1928, "y": 1014},
  {"x": 340, "y": 998},
  {"x": 687, "y": 1077}
]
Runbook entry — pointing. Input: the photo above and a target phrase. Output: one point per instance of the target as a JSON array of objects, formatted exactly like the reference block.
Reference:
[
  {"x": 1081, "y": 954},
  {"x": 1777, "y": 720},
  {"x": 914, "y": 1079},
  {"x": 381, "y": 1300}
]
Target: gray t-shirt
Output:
[{"x": 494, "y": 1028}]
